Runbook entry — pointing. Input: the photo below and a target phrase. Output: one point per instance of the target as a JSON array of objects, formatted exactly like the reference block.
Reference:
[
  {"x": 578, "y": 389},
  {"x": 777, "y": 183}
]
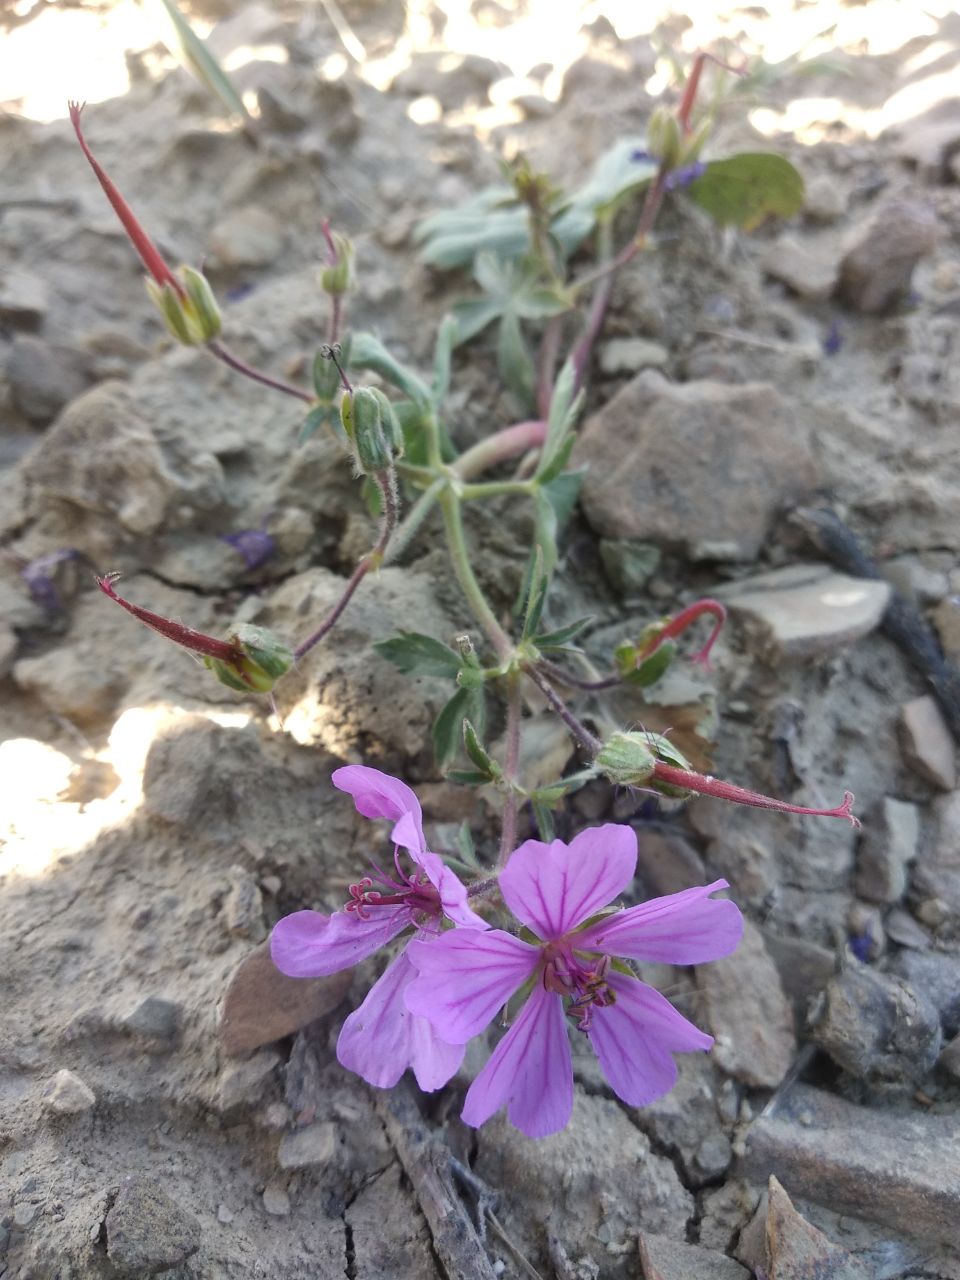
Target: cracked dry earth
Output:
[{"x": 168, "y": 1105}]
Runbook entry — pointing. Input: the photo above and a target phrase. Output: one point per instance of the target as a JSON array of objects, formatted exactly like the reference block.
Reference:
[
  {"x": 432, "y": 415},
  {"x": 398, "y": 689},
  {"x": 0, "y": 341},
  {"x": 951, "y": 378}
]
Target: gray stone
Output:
[
  {"x": 262, "y": 1004},
  {"x": 693, "y": 464},
  {"x": 309, "y": 1147},
  {"x": 68, "y": 685},
  {"x": 806, "y": 610},
  {"x": 242, "y": 1083},
  {"x": 806, "y": 269},
  {"x": 8, "y": 649},
  {"x": 949, "y": 1060},
  {"x": 630, "y": 355},
  {"x": 926, "y": 743},
  {"x": 276, "y": 1201},
  {"x": 155, "y": 1019},
  {"x": 876, "y": 272},
  {"x": 937, "y": 975},
  {"x": 805, "y": 967},
  {"x": 147, "y": 1232},
  {"x": 888, "y": 847},
  {"x": 667, "y": 863},
  {"x": 781, "y": 1244},
  {"x": 936, "y": 873},
  {"x": 243, "y": 906},
  {"x": 450, "y": 77},
  {"x": 824, "y": 200},
  {"x": 898, "y": 1168},
  {"x": 23, "y": 298},
  {"x": 879, "y": 1028},
  {"x": 905, "y": 931},
  {"x": 68, "y": 1095},
  {"x": 42, "y": 378},
  {"x": 247, "y": 237},
  {"x": 748, "y": 1013},
  {"x": 673, "y": 1260},
  {"x": 103, "y": 457}
]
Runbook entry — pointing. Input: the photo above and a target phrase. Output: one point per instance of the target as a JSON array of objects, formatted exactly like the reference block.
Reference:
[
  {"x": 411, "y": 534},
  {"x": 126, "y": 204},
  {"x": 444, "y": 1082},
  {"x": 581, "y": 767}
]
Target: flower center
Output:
[
  {"x": 569, "y": 975},
  {"x": 414, "y": 892}
]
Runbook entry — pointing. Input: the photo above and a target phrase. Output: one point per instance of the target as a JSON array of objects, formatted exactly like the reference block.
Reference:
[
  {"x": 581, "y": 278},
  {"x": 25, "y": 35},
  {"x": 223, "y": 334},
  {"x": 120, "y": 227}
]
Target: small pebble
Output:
[
  {"x": 276, "y": 1201},
  {"x": 224, "y": 1214},
  {"x": 68, "y": 1095}
]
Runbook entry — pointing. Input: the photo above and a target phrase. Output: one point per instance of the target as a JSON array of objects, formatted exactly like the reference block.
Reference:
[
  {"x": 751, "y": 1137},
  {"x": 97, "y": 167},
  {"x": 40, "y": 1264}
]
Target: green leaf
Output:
[
  {"x": 447, "y": 728},
  {"x": 198, "y": 59},
  {"x": 447, "y": 339},
  {"x": 560, "y": 638},
  {"x": 515, "y": 363},
  {"x": 475, "y": 749},
  {"x": 564, "y": 410},
  {"x": 420, "y": 655},
  {"x": 744, "y": 189},
  {"x": 544, "y": 820},
  {"x": 534, "y": 592},
  {"x": 468, "y": 777},
  {"x": 615, "y": 176},
  {"x": 474, "y": 315},
  {"x": 368, "y": 352},
  {"x": 563, "y": 493}
]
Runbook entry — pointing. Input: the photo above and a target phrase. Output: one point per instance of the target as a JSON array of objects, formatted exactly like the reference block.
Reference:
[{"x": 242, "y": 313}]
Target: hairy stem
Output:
[
  {"x": 580, "y": 731},
  {"x": 386, "y": 483},
  {"x": 460, "y": 557}
]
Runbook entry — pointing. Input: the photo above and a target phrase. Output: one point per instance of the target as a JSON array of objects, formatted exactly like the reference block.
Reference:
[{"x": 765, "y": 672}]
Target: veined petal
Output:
[
  {"x": 634, "y": 1039},
  {"x": 530, "y": 1070},
  {"x": 377, "y": 795},
  {"x": 682, "y": 928},
  {"x": 382, "y": 1038},
  {"x": 308, "y": 944},
  {"x": 466, "y": 975},
  {"x": 554, "y": 887},
  {"x": 453, "y": 892}
]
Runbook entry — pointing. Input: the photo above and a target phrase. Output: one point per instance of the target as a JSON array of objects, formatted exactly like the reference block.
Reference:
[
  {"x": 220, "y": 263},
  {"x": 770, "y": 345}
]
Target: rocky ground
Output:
[{"x": 167, "y": 1103}]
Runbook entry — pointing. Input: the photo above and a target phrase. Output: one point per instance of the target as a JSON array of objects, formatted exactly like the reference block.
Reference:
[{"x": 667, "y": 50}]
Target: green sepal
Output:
[
  {"x": 447, "y": 728},
  {"x": 486, "y": 765}
]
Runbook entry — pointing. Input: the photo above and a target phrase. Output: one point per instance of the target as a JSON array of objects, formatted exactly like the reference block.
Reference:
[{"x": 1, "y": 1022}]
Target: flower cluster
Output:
[{"x": 456, "y": 973}]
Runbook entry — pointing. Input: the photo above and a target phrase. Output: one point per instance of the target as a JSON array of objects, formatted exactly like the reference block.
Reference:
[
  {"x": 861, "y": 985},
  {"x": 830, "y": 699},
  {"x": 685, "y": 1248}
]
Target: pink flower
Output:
[
  {"x": 557, "y": 890},
  {"x": 382, "y": 1038}
]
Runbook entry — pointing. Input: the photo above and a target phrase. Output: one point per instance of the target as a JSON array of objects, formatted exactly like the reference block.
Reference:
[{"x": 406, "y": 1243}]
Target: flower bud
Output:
[
  {"x": 337, "y": 278},
  {"x": 372, "y": 426},
  {"x": 260, "y": 660},
  {"x": 190, "y": 313},
  {"x": 627, "y": 759},
  {"x": 664, "y": 137}
]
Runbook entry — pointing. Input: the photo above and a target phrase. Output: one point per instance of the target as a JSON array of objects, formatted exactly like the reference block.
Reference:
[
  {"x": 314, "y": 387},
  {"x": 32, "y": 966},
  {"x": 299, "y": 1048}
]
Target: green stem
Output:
[
  {"x": 460, "y": 556},
  {"x": 497, "y": 489},
  {"x": 414, "y": 519}
]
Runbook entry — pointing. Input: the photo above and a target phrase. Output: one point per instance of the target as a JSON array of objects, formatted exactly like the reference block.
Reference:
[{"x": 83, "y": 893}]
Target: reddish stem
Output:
[
  {"x": 197, "y": 641},
  {"x": 679, "y": 624},
  {"x": 150, "y": 255},
  {"x": 689, "y": 781},
  {"x": 690, "y": 89}
]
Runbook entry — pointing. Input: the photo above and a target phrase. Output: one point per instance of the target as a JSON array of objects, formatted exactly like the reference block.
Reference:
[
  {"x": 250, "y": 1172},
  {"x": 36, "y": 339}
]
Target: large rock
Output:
[
  {"x": 888, "y": 847},
  {"x": 701, "y": 465},
  {"x": 879, "y": 1028},
  {"x": 748, "y": 1013},
  {"x": 898, "y": 1168},
  {"x": 103, "y": 457},
  {"x": 147, "y": 1232},
  {"x": 937, "y": 867},
  {"x": 806, "y": 610},
  {"x": 877, "y": 271}
]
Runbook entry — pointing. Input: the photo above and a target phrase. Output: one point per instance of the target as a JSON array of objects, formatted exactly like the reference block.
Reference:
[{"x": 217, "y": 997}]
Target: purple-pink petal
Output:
[
  {"x": 377, "y": 795},
  {"x": 308, "y": 944},
  {"x": 453, "y": 892},
  {"x": 554, "y": 887},
  {"x": 682, "y": 928},
  {"x": 530, "y": 1070},
  {"x": 635, "y": 1038},
  {"x": 382, "y": 1038},
  {"x": 466, "y": 976}
]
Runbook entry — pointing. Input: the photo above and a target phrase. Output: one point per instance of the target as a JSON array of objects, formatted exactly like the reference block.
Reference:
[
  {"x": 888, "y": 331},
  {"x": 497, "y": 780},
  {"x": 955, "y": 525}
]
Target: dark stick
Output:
[{"x": 902, "y": 621}]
